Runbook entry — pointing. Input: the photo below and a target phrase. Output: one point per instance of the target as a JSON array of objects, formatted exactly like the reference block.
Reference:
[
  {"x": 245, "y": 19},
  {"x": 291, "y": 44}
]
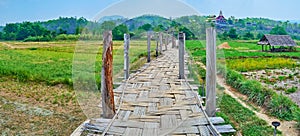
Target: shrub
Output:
[
  {"x": 69, "y": 37},
  {"x": 291, "y": 90},
  {"x": 37, "y": 39}
]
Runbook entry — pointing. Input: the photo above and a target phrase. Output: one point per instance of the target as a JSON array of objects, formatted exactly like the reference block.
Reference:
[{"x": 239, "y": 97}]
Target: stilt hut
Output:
[{"x": 277, "y": 43}]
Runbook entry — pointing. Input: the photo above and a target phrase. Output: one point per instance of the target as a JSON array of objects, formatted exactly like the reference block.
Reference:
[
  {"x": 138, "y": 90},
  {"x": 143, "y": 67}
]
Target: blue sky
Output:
[{"x": 34, "y": 10}]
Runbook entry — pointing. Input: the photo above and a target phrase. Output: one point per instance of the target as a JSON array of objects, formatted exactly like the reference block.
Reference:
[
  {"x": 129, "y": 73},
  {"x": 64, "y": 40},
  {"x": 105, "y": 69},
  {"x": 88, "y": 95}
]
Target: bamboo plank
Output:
[
  {"x": 133, "y": 132},
  {"x": 203, "y": 131},
  {"x": 168, "y": 121}
]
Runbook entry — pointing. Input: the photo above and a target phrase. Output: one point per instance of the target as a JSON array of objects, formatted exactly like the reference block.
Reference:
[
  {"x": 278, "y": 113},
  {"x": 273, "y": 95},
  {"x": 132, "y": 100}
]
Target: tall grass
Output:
[
  {"x": 277, "y": 105},
  {"x": 246, "y": 121}
]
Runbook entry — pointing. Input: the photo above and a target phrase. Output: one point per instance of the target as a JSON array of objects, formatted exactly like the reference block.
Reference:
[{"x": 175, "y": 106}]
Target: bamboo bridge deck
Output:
[{"x": 155, "y": 102}]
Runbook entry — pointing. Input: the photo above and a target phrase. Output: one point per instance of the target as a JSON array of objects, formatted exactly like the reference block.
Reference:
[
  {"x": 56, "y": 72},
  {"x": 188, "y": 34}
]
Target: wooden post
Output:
[
  {"x": 126, "y": 55},
  {"x": 181, "y": 38},
  {"x": 173, "y": 40},
  {"x": 108, "y": 105},
  {"x": 166, "y": 41},
  {"x": 211, "y": 72},
  {"x": 160, "y": 42},
  {"x": 262, "y": 48},
  {"x": 148, "y": 47},
  {"x": 156, "y": 49}
]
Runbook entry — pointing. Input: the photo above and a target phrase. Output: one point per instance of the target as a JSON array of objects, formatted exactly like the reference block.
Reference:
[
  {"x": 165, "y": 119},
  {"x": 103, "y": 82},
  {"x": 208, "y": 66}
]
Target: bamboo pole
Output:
[{"x": 108, "y": 104}]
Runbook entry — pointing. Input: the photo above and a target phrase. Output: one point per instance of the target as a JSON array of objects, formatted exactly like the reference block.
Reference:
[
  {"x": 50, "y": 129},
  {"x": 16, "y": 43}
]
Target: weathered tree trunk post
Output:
[
  {"x": 166, "y": 41},
  {"x": 156, "y": 49},
  {"x": 108, "y": 104},
  {"x": 160, "y": 42},
  {"x": 181, "y": 38},
  {"x": 148, "y": 47},
  {"x": 211, "y": 72},
  {"x": 173, "y": 40},
  {"x": 126, "y": 55}
]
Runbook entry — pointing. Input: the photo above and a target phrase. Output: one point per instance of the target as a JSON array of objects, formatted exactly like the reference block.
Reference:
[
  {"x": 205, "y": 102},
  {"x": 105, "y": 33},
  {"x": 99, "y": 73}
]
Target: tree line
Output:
[{"x": 73, "y": 28}]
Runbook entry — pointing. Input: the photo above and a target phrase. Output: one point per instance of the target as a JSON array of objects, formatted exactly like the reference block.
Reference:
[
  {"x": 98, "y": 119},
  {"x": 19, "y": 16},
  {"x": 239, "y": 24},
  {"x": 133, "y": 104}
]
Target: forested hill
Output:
[
  {"x": 193, "y": 26},
  {"x": 65, "y": 25}
]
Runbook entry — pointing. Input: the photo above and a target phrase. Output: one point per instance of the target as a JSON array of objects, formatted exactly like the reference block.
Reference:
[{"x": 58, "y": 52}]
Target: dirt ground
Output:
[{"x": 34, "y": 109}]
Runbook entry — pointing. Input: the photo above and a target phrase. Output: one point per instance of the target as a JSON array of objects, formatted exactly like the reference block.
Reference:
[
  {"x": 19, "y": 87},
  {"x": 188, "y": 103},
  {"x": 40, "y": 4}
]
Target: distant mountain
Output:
[
  {"x": 115, "y": 18},
  {"x": 295, "y": 21},
  {"x": 153, "y": 20},
  {"x": 65, "y": 24}
]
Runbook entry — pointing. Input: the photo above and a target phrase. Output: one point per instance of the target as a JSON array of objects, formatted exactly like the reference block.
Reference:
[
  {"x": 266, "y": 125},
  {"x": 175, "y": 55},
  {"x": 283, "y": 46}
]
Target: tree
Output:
[
  {"x": 278, "y": 30},
  {"x": 108, "y": 25},
  {"x": 231, "y": 20},
  {"x": 146, "y": 27},
  {"x": 11, "y": 28},
  {"x": 159, "y": 28},
  {"x": 248, "y": 36},
  {"x": 79, "y": 30},
  {"x": 259, "y": 36},
  {"x": 232, "y": 33},
  {"x": 224, "y": 36},
  {"x": 119, "y": 31},
  {"x": 188, "y": 34}
]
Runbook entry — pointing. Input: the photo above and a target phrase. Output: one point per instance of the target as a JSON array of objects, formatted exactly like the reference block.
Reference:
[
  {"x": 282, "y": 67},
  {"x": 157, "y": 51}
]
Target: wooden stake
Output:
[
  {"x": 126, "y": 55},
  {"x": 181, "y": 38},
  {"x": 166, "y": 41},
  {"x": 156, "y": 49},
  {"x": 148, "y": 47},
  {"x": 108, "y": 104},
  {"x": 211, "y": 72},
  {"x": 173, "y": 40},
  {"x": 161, "y": 42}
]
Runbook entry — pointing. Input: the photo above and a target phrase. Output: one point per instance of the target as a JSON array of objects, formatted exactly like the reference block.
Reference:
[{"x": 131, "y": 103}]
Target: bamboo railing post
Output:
[
  {"x": 108, "y": 105},
  {"x": 181, "y": 38},
  {"x": 166, "y": 41},
  {"x": 126, "y": 55},
  {"x": 148, "y": 47},
  {"x": 173, "y": 40},
  {"x": 156, "y": 49},
  {"x": 160, "y": 42},
  {"x": 211, "y": 72}
]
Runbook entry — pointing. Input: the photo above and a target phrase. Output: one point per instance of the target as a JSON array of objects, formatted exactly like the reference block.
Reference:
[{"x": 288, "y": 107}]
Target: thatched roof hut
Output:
[{"x": 277, "y": 40}]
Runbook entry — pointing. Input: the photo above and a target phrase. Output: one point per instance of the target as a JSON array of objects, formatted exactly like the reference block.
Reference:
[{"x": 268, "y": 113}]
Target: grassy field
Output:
[
  {"x": 238, "y": 49},
  {"x": 36, "y": 94},
  {"x": 36, "y": 82},
  {"x": 247, "y": 56},
  {"x": 52, "y": 62},
  {"x": 242, "y": 118}
]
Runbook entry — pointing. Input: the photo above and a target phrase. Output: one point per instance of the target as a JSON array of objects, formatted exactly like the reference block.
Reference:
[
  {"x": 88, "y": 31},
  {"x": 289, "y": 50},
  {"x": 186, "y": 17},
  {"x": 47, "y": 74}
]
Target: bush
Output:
[
  {"x": 69, "y": 37},
  {"x": 38, "y": 39},
  {"x": 291, "y": 90}
]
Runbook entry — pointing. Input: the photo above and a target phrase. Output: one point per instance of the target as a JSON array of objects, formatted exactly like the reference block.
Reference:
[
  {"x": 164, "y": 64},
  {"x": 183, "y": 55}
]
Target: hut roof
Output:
[{"x": 277, "y": 40}]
